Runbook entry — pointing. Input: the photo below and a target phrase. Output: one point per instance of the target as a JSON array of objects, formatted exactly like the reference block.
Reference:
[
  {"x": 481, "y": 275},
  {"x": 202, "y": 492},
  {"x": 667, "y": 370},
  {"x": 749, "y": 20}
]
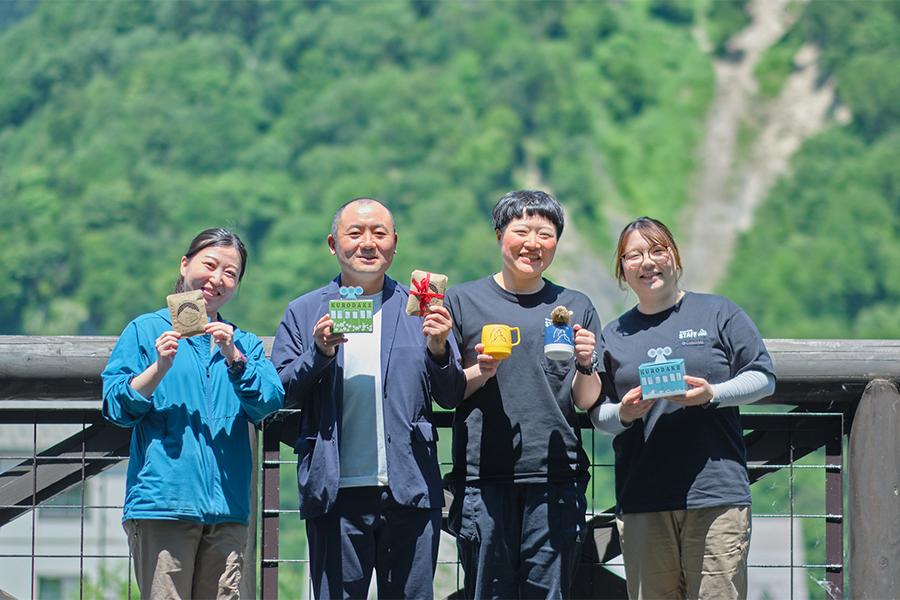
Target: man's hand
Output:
[
  {"x": 326, "y": 341},
  {"x": 436, "y": 328}
]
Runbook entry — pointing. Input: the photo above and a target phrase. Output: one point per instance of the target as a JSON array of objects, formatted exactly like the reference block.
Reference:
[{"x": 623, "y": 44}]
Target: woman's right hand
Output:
[
  {"x": 633, "y": 406},
  {"x": 478, "y": 374},
  {"x": 166, "y": 347},
  {"x": 326, "y": 341},
  {"x": 487, "y": 364}
]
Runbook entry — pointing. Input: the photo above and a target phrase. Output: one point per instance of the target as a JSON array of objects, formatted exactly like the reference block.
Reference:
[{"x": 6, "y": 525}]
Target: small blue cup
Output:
[{"x": 559, "y": 342}]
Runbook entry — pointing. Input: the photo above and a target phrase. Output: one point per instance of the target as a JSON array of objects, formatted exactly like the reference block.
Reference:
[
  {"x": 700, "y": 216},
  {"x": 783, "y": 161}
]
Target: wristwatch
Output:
[
  {"x": 713, "y": 403},
  {"x": 237, "y": 366},
  {"x": 593, "y": 368}
]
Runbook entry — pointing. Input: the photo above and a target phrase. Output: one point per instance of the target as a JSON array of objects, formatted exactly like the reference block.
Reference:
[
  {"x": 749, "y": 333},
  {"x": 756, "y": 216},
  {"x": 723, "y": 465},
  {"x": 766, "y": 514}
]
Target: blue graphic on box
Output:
[
  {"x": 662, "y": 377},
  {"x": 351, "y": 315},
  {"x": 559, "y": 342}
]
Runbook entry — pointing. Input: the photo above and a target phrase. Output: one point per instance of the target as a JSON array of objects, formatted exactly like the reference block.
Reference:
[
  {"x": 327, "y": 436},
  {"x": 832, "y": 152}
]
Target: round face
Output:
[
  {"x": 527, "y": 246},
  {"x": 649, "y": 267},
  {"x": 215, "y": 271},
  {"x": 364, "y": 242}
]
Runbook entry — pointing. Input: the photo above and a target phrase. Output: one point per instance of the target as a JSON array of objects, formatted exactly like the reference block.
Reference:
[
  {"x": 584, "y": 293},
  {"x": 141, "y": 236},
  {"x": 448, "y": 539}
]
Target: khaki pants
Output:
[
  {"x": 183, "y": 559},
  {"x": 699, "y": 553}
]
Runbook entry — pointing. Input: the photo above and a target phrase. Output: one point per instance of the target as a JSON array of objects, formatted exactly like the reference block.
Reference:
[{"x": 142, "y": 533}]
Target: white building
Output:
[{"x": 59, "y": 536}]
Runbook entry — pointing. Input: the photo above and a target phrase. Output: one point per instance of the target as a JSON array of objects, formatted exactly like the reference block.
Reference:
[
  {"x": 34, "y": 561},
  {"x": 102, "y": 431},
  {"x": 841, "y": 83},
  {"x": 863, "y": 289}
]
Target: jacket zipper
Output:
[{"x": 209, "y": 416}]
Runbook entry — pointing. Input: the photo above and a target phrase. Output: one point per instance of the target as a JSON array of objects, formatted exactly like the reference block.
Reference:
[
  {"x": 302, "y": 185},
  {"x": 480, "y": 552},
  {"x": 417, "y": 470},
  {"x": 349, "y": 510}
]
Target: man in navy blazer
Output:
[{"x": 370, "y": 486}]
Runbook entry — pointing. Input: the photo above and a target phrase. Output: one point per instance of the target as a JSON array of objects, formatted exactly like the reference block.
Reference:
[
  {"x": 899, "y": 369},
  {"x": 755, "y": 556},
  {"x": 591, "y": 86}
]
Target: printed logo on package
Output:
[
  {"x": 662, "y": 377},
  {"x": 188, "y": 312},
  {"x": 351, "y": 315}
]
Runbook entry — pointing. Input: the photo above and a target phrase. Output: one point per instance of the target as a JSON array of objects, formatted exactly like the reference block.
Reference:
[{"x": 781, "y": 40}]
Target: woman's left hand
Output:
[
  {"x": 700, "y": 392},
  {"x": 585, "y": 344},
  {"x": 223, "y": 335}
]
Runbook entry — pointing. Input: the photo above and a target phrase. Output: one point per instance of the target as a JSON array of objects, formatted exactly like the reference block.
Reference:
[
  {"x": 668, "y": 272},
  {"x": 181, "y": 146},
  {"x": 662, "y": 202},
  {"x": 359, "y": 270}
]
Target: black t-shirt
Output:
[
  {"x": 692, "y": 457},
  {"x": 521, "y": 426}
]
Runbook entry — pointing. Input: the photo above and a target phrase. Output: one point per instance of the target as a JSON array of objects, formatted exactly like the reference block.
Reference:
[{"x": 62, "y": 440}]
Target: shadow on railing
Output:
[{"x": 832, "y": 389}]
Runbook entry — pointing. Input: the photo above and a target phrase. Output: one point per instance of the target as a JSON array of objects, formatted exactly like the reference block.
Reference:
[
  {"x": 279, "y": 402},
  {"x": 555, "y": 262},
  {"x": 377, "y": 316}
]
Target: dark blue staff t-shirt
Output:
[
  {"x": 693, "y": 457},
  {"x": 522, "y": 425}
]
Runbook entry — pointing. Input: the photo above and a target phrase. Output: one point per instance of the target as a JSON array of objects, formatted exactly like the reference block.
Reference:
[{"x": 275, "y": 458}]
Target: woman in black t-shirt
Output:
[{"x": 682, "y": 492}]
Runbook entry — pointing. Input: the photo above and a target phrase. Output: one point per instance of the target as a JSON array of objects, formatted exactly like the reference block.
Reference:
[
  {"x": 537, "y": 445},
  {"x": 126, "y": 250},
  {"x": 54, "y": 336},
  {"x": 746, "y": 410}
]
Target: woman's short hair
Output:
[
  {"x": 215, "y": 236},
  {"x": 515, "y": 205},
  {"x": 651, "y": 230}
]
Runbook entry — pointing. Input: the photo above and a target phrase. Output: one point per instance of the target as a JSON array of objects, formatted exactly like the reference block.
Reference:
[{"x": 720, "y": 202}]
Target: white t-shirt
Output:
[{"x": 362, "y": 448}]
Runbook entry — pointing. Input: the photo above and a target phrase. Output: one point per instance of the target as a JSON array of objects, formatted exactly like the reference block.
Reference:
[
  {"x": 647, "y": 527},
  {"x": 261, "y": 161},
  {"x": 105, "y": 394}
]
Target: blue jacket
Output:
[
  {"x": 313, "y": 382},
  {"x": 190, "y": 447}
]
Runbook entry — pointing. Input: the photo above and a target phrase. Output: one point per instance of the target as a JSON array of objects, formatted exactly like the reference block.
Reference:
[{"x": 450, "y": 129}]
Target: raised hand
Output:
[
  {"x": 326, "y": 341},
  {"x": 634, "y": 406},
  {"x": 223, "y": 336},
  {"x": 166, "y": 347},
  {"x": 436, "y": 328},
  {"x": 487, "y": 364},
  {"x": 699, "y": 392},
  {"x": 585, "y": 344}
]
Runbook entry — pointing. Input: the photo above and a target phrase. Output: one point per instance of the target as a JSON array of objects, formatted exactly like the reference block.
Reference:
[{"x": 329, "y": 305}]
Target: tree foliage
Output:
[
  {"x": 829, "y": 233},
  {"x": 127, "y": 127}
]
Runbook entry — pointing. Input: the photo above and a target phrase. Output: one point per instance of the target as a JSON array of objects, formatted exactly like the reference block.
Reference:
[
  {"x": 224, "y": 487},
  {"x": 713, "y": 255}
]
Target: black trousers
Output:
[{"x": 365, "y": 530}]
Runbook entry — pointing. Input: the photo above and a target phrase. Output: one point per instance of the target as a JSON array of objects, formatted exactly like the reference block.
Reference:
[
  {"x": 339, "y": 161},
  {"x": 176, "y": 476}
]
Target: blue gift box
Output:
[{"x": 661, "y": 379}]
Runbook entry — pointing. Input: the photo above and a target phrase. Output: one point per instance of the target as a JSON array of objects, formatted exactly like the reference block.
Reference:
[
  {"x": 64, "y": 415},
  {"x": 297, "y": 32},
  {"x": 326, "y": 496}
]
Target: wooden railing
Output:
[{"x": 56, "y": 380}]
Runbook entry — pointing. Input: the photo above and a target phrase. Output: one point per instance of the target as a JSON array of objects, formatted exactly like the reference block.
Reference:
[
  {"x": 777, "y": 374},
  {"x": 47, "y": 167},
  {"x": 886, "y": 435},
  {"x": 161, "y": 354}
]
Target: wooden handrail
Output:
[{"x": 68, "y": 367}]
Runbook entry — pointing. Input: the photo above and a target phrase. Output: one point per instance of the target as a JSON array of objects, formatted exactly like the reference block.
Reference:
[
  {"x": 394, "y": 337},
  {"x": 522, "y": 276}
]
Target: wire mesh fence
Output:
[{"x": 62, "y": 482}]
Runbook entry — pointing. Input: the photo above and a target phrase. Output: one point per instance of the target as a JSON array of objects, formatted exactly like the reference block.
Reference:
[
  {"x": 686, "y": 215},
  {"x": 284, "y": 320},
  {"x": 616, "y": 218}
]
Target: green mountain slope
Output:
[
  {"x": 127, "y": 127},
  {"x": 821, "y": 260}
]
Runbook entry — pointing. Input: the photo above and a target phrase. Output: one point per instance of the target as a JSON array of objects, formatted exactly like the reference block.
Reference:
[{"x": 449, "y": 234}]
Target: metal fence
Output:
[
  {"x": 62, "y": 484},
  {"x": 777, "y": 441}
]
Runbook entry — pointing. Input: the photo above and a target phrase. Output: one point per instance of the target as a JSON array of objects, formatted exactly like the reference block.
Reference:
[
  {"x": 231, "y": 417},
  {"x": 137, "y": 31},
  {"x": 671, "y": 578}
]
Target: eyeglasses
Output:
[{"x": 658, "y": 254}]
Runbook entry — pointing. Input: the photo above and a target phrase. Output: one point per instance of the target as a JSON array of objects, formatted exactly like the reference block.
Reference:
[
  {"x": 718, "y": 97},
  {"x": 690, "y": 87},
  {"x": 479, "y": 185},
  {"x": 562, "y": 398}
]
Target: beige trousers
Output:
[
  {"x": 183, "y": 559},
  {"x": 698, "y": 553}
]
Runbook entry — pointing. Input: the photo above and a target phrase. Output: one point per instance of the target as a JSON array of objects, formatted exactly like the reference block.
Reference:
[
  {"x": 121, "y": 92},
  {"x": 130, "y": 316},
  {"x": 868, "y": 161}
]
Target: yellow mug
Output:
[{"x": 497, "y": 339}]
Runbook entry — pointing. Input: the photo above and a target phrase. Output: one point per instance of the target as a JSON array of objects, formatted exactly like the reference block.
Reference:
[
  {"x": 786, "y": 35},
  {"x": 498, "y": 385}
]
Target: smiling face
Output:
[
  {"x": 214, "y": 270},
  {"x": 364, "y": 242},
  {"x": 648, "y": 267},
  {"x": 527, "y": 246}
]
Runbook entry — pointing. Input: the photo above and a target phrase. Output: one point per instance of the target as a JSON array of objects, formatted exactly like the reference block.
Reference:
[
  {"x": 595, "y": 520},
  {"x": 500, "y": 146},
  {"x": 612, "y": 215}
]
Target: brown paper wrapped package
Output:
[
  {"x": 188, "y": 312},
  {"x": 432, "y": 296}
]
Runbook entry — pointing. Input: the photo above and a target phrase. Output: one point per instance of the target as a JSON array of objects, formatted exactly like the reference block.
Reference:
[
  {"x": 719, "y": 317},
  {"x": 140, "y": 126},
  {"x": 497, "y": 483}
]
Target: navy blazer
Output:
[{"x": 314, "y": 382}]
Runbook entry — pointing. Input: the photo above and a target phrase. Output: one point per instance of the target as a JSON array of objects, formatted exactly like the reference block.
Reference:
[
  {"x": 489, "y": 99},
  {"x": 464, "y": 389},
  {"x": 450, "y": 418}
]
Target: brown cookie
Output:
[{"x": 188, "y": 312}]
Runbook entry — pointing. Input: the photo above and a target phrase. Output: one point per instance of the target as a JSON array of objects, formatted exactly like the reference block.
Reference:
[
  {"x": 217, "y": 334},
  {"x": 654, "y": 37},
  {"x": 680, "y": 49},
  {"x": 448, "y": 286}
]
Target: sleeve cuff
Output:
[
  {"x": 442, "y": 362},
  {"x": 605, "y": 417},
  {"x": 137, "y": 403}
]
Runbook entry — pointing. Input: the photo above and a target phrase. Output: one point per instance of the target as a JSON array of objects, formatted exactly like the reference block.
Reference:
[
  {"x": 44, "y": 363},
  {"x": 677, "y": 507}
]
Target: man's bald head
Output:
[{"x": 360, "y": 204}]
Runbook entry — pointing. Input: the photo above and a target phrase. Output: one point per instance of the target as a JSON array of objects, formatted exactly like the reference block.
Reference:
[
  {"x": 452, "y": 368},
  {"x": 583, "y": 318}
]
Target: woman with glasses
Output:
[{"x": 682, "y": 491}]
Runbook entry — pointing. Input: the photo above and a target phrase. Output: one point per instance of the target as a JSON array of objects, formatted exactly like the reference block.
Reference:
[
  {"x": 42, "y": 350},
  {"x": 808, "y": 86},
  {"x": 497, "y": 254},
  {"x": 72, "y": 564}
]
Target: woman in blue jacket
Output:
[{"x": 190, "y": 400}]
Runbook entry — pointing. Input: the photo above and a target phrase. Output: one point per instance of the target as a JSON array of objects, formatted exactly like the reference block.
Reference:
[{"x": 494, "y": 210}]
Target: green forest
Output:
[{"x": 126, "y": 127}]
